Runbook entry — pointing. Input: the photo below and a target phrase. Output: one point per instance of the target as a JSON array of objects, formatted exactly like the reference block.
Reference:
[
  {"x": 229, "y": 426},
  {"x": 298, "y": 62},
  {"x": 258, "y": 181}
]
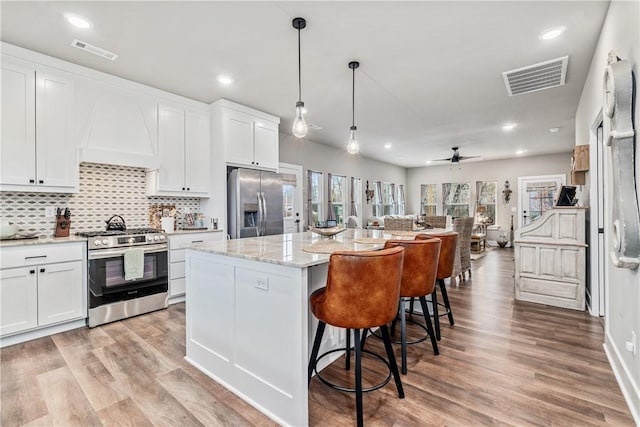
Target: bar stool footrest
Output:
[{"x": 350, "y": 389}]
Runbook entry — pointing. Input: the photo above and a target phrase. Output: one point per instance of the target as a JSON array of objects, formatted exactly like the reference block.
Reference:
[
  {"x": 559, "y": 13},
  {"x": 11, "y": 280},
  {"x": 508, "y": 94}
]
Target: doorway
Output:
[
  {"x": 292, "y": 197},
  {"x": 536, "y": 195}
]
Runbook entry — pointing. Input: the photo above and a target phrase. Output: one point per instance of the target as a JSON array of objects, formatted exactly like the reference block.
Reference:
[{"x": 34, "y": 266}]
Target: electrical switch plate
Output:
[
  {"x": 262, "y": 283},
  {"x": 514, "y": 210},
  {"x": 632, "y": 346},
  {"x": 49, "y": 212}
]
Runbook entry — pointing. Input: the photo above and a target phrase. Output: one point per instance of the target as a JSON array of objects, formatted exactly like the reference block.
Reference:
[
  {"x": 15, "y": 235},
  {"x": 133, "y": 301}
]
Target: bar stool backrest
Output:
[
  {"x": 447, "y": 252},
  {"x": 420, "y": 265},
  {"x": 363, "y": 288}
]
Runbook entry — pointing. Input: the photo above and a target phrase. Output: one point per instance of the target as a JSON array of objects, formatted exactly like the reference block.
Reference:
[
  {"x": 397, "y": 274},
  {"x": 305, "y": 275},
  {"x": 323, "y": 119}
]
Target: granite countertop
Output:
[
  {"x": 287, "y": 249},
  {"x": 41, "y": 240}
]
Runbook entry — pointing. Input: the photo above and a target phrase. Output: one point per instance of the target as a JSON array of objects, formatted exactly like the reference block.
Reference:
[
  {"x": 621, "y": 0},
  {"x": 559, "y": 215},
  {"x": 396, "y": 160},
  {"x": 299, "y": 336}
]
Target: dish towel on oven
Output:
[{"x": 133, "y": 264}]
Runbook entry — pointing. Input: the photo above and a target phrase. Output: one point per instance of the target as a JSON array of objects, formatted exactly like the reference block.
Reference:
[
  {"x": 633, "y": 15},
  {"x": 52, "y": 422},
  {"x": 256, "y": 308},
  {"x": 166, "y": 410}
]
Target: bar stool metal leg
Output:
[
  {"x": 403, "y": 336},
  {"x": 436, "y": 317},
  {"x": 392, "y": 360},
  {"x": 445, "y": 299},
  {"x": 347, "y": 363},
  {"x": 356, "y": 342},
  {"x": 427, "y": 319},
  {"x": 316, "y": 347}
]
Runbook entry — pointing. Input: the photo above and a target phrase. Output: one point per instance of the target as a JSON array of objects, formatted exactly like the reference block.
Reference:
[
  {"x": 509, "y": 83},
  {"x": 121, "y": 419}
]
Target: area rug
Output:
[{"x": 475, "y": 257}]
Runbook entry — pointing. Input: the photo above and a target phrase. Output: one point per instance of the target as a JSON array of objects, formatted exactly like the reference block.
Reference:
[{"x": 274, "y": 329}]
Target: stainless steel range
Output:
[{"x": 111, "y": 296}]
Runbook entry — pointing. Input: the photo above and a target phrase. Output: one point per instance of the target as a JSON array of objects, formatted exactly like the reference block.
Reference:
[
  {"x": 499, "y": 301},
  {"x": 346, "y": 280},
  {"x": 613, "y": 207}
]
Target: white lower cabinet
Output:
[
  {"x": 177, "y": 245},
  {"x": 41, "y": 285}
]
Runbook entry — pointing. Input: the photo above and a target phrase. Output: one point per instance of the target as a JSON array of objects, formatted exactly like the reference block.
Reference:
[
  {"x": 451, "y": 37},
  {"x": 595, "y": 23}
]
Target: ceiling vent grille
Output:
[
  {"x": 533, "y": 78},
  {"x": 94, "y": 49}
]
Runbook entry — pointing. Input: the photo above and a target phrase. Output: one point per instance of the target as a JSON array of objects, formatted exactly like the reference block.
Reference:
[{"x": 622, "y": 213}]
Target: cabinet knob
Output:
[
  {"x": 42, "y": 270},
  {"x": 40, "y": 181},
  {"x": 188, "y": 189},
  {"x": 253, "y": 163},
  {"x": 182, "y": 188},
  {"x": 32, "y": 181},
  {"x": 32, "y": 272}
]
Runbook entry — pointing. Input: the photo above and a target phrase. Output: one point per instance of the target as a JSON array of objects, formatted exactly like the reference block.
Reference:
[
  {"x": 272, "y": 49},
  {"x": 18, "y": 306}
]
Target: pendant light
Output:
[
  {"x": 299, "y": 129},
  {"x": 352, "y": 145}
]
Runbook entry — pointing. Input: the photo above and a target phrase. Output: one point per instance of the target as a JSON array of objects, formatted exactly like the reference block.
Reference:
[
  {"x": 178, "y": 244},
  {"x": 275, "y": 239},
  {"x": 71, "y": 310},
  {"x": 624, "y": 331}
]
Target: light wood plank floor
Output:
[{"x": 503, "y": 363}]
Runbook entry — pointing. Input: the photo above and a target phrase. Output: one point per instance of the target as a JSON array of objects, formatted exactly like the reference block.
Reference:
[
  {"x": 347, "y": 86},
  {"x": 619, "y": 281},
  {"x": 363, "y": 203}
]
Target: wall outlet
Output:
[
  {"x": 49, "y": 212},
  {"x": 632, "y": 345},
  {"x": 262, "y": 283}
]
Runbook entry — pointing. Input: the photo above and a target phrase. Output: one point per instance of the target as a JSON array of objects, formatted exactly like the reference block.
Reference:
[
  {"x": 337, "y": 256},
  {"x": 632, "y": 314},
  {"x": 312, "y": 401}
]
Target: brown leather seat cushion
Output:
[
  {"x": 363, "y": 289},
  {"x": 420, "y": 265},
  {"x": 447, "y": 252}
]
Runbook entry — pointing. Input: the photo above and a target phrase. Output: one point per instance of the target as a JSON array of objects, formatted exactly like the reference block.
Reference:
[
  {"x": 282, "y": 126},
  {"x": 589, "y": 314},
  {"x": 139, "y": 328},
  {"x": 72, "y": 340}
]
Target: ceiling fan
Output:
[{"x": 456, "y": 157}]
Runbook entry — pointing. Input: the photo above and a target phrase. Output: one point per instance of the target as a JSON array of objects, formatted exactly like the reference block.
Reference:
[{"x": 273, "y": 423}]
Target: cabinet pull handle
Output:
[
  {"x": 32, "y": 181},
  {"x": 42, "y": 270},
  {"x": 35, "y": 257},
  {"x": 32, "y": 272},
  {"x": 40, "y": 181},
  {"x": 197, "y": 241}
]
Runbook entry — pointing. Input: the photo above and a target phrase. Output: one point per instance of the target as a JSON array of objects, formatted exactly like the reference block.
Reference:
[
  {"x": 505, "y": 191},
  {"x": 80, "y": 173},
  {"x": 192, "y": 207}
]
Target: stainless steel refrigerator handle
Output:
[
  {"x": 264, "y": 215},
  {"x": 260, "y": 217}
]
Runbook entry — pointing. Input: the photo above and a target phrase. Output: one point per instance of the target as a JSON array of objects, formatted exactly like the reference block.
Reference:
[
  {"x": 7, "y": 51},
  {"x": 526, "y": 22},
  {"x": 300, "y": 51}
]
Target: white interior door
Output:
[
  {"x": 536, "y": 195},
  {"x": 292, "y": 198}
]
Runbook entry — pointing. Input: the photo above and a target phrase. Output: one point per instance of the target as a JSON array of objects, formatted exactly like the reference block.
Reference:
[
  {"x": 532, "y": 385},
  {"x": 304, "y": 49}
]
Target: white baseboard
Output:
[
  {"x": 43, "y": 332},
  {"x": 625, "y": 380}
]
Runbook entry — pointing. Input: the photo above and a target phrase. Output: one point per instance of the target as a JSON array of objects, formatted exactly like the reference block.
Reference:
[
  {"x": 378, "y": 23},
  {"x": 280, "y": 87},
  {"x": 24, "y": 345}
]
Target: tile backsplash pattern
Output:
[{"x": 105, "y": 190}]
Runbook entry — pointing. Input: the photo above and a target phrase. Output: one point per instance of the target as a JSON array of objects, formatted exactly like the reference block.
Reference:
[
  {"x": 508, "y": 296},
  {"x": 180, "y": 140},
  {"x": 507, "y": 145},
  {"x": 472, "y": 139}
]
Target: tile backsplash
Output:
[{"x": 105, "y": 190}]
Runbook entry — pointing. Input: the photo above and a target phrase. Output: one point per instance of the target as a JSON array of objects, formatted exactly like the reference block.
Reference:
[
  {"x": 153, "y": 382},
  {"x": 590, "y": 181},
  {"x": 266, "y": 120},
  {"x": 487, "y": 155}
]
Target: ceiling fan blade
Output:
[
  {"x": 441, "y": 160},
  {"x": 467, "y": 157}
]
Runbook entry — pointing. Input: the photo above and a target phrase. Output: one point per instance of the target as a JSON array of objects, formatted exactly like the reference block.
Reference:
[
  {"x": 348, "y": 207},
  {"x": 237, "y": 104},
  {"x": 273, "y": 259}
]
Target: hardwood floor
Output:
[{"x": 503, "y": 363}]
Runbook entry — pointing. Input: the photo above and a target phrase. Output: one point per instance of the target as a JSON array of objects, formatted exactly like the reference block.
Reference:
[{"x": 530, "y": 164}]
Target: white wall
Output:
[
  {"x": 493, "y": 170},
  {"x": 620, "y": 33},
  {"x": 323, "y": 158}
]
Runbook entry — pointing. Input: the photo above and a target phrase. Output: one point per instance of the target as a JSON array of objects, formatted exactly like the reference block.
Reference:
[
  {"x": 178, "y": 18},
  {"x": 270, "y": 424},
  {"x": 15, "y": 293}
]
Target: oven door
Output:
[{"x": 106, "y": 275}]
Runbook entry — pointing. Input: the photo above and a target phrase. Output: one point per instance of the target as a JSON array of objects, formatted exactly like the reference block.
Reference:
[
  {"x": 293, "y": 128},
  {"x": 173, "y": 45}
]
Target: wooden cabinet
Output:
[
  {"x": 580, "y": 164},
  {"x": 177, "y": 244},
  {"x": 41, "y": 285},
  {"x": 38, "y": 152},
  {"x": 249, "y": 137},
  {"x": 550, "y": 259},
  {"x": 184, "y": 154}
]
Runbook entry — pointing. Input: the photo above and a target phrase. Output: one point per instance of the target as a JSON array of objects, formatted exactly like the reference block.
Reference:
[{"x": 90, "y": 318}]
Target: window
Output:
[
  {"x": 541, "y": 196},
  {"x": 428, "y": 204},
  {"x": 314, "y": 197},
  {"x": 400, "y": 199},
  {"x": 356, "y": 197},
  {"x": 455, "y": 199},
  {"x": 377, "y": 198},
  {"x": 287, "y": 199},
  {"x": 337, "y": 197},
  {"x": 388, "y": 198},
  {"x": 487, "y": 196}
]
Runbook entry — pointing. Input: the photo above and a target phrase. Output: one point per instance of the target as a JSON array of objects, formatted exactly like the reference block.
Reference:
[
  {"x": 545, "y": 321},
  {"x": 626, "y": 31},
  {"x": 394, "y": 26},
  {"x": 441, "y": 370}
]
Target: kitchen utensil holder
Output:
[{"x": 63, "y": 226}]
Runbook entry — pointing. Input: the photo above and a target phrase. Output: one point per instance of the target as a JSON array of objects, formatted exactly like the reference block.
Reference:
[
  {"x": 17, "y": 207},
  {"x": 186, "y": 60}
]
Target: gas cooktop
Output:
[{"x": 127, "y": 232}]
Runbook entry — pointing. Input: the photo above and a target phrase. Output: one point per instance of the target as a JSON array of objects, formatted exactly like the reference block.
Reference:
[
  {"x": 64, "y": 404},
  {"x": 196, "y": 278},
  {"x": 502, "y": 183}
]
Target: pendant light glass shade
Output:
[
  {"x": 299, "y": 128},
  {"x": 352, "y": 146}
]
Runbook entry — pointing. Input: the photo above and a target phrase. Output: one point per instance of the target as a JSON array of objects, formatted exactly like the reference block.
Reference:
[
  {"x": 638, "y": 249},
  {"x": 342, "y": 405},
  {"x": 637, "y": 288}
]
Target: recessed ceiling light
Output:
[
  {"x": 77, "y": 21},
  {"x": 509, "y": 126},
  {"x": 551, "y": 33},
  {"x": 554, "y": 130},
  {"x": 387, "y": 145},
  {"x": 519, "y": 152},
  {"x": 224, "y": 80}
]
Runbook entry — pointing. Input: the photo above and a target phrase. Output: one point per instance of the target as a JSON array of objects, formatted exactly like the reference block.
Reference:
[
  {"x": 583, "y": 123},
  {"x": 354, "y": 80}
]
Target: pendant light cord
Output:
[
  {"x": 299, "y": 71},
  {"x": 353, "y": 98}
]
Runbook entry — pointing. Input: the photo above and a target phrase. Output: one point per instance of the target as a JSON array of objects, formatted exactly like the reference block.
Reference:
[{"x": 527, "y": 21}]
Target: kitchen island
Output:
[{"x": 248, "y": 324}]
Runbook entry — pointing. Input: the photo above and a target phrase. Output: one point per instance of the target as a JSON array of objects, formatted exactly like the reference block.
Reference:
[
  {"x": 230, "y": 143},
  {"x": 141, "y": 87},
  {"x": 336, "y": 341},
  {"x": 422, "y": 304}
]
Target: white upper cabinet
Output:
[
  {"x": 249, "y": 137},
  {"x": 116, "y": 125},
  {"x": 183, "y": 147},
  {"x": 38, "y": 151}
]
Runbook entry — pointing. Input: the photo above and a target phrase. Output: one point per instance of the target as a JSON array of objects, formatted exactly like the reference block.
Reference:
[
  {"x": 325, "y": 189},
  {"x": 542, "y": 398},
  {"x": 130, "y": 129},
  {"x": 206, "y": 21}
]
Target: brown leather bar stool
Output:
[
  {"x": 445, "y": 269},
  {"x": 418, "y": 280},
  {"x": 362, "y": 291}
]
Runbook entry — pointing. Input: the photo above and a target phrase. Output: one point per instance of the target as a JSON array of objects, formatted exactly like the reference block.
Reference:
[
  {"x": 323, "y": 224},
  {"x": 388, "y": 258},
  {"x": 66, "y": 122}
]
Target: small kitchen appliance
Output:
[{"x": 111, "y": 296}]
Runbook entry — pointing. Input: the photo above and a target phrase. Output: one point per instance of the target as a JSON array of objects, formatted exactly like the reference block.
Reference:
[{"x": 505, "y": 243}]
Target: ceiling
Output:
[{"x": 430, "y": 73}]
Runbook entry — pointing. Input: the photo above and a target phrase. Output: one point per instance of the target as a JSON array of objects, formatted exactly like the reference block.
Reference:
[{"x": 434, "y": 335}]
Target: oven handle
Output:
[{"x": 99, "y": 254}]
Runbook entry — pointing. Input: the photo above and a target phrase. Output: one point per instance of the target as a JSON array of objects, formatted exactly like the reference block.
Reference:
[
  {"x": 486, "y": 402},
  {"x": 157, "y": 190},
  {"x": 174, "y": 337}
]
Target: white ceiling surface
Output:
[{"x": 430, "y": 75}]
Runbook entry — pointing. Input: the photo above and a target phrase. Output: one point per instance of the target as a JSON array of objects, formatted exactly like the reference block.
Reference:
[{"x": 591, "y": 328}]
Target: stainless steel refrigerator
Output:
[{"x": 254, "y": 203}]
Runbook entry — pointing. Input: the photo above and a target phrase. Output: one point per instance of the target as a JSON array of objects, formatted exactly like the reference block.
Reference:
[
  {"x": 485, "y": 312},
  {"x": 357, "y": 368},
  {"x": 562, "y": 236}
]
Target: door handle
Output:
[
  {"x": 259, "y": 225},
  {"x": 264, "y": 214}
]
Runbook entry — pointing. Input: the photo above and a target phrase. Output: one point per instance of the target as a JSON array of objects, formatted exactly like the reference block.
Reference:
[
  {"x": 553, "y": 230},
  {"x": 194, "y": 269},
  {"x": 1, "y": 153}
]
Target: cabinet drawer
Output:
[
  {"x": 41, "y": 254},
  {"x": 176, "y": 255},
  {"x": 177, "y": 287},
  {"x": 180, "y": 241},
  {"x": 176, "y": 270}
]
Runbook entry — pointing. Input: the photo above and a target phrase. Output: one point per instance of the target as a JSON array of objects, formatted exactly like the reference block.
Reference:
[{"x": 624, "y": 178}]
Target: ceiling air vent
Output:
[
  {"x": 94, "y": 49},
  {"x": 536, "y": 77}
]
